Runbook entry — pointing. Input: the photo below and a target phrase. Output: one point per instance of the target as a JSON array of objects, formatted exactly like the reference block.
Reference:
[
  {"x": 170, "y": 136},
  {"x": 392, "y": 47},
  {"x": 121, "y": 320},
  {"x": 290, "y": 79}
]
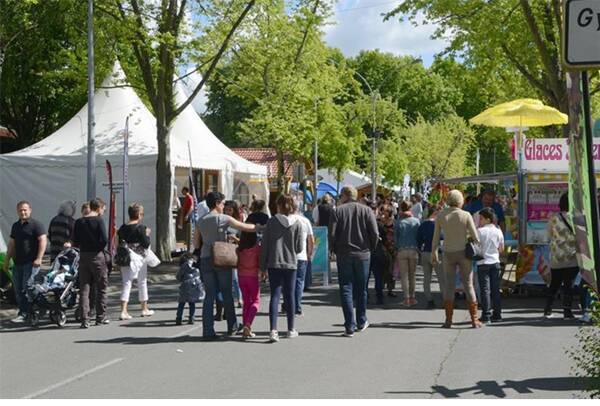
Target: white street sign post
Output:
[{"x": 581, "y": 36}]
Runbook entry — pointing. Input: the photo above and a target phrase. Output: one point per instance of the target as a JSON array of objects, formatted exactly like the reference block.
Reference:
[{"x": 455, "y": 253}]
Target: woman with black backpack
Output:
[{"x": 136, "y": 237}]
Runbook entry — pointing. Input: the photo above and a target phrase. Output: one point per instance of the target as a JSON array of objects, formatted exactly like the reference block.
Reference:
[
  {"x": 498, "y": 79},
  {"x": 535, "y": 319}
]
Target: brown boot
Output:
[
  {"x": 449, "y": 308},
  {"x": 473, "y": 311}
]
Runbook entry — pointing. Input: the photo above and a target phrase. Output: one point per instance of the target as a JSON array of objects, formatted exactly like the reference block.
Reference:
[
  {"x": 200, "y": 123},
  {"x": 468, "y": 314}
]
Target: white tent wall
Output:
[
  {"x": 46, "y": 186},
  {"x": 54, "y": 169}
]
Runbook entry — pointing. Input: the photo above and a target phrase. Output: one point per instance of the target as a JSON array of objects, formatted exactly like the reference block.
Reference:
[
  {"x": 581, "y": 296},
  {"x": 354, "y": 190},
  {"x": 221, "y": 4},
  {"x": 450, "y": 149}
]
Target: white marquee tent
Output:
[{"x": 54, "y": 169}]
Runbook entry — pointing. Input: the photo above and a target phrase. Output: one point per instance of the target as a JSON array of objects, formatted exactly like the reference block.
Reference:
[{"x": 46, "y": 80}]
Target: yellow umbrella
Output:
[{"x": 520, "y": 113}]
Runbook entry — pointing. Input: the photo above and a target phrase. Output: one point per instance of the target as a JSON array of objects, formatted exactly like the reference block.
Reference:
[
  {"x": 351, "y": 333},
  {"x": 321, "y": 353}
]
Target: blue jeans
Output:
[
  {"x": 352, "y": 277},
  {"x": 300, "y": 278},
  {"x": 237, "y": 293},
  {"x": 21, "y": 274},
  {"x": 282, "y": 279},
  {"x": 216, "y": 279},
  {"x": 377, "y": 271},
  {"x": 489, "y": 285},
  {"x": 180, "y": 308},
  {"x": 308, "y": 278}
]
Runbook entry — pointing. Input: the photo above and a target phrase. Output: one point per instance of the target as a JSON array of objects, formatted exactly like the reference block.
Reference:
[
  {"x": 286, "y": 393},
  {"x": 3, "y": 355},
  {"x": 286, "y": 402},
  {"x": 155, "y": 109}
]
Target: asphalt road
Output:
[{"x": 404, "y": 353}]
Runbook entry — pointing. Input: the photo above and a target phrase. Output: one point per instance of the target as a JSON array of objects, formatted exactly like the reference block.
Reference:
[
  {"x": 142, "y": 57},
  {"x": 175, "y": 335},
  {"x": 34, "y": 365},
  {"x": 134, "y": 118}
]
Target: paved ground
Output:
[{"x": 403, "y": 354}]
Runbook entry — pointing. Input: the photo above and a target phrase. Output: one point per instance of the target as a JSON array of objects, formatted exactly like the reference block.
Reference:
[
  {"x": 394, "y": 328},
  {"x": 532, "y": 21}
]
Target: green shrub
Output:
[{"x": 587, "y": 354}]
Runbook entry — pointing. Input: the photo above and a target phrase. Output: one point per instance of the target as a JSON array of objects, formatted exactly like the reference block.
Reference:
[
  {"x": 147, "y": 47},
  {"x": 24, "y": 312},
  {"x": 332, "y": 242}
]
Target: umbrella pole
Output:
[{"x": 522, "y": 190}]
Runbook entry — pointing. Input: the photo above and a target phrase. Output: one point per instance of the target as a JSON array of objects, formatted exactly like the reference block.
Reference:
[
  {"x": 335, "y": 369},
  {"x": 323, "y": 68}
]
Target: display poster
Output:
[
  {"x": 320, "y": 261},
  {"x": 542, "y": 203},
  {"x": 533, "y": 263}
]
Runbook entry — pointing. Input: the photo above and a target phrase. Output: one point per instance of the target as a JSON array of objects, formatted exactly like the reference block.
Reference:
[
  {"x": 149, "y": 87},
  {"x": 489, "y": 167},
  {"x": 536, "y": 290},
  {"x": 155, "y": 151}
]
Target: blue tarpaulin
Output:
[{"x": 321, "y": 190}]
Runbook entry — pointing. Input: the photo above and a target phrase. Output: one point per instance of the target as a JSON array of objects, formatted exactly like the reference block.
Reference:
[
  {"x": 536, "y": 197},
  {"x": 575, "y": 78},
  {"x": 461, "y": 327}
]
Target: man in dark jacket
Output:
[
  {"x": 91, "y": 238},
  {"x": 26, "y": 247},
  {"x": 353, "y": 235}
]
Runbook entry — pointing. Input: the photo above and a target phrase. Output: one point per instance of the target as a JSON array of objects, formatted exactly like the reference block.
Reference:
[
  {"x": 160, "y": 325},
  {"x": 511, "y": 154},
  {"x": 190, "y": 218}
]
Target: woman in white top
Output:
[{"x": 488, "y": 268}]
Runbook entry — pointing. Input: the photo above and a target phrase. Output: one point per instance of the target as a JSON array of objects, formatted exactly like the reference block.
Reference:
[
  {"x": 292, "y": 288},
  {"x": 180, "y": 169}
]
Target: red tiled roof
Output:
[{"x": 266, "y": 157}]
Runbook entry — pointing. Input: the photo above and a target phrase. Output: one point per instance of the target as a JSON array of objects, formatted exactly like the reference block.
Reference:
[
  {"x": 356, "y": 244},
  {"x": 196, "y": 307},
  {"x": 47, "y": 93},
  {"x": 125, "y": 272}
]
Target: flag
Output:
[
  {"x": 112, "y": 210},
  {"x": 579, "y": 191}
]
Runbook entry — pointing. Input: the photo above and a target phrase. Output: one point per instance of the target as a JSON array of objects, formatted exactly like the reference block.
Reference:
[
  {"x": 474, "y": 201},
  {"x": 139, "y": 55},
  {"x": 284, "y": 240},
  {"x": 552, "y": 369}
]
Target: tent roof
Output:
[
  {"x": 207, "y": 150},
  {"x": 350, "y": 177},
  {"x": 113, "y": 103}
]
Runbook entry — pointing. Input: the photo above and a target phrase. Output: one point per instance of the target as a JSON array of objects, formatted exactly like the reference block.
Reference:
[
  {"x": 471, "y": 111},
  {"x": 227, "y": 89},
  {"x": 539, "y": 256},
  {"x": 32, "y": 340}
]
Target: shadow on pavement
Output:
[{"x": 493, "y": 388}]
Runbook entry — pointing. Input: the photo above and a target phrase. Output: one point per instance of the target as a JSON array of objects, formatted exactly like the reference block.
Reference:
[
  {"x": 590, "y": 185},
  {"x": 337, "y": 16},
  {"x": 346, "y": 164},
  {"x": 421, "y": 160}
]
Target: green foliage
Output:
[
  {"x": 513, "y": 47},
  {"x": 587, "y": 354},
  {"x": 418, "y": 91},
  {"x": 281, "y": 89},
  {"x": 43, "y": 65},
  {"x": 438, "y": 149}
]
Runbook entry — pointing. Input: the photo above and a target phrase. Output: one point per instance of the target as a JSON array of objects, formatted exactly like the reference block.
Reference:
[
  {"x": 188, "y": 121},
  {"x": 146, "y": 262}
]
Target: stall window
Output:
[
  {"x": 211, "y": 181},
  {"x": 241, "y": 192}
]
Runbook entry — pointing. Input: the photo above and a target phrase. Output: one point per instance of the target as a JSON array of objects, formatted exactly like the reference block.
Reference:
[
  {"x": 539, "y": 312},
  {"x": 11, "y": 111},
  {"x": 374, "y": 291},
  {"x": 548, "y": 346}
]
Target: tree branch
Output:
[
  {"x": 305, "y": 34},
  {"x": 530, "y": 78},
  {"x": 551, "y": 68},
  {"x": 216, "y": 59},
  {"x": 142, "y": 56}
]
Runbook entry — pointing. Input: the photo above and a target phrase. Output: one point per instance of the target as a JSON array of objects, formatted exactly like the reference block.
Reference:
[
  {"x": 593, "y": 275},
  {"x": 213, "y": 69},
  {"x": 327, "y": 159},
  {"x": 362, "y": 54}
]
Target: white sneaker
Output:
[
  {"x": 274, "y": 336},
  {"x": 125, "y": 316},
  {"x": 18, "y": 319},
  {"x": 292, "y": 333},
  {"x": 147, "y": 313},
  {"x": 586, "y": 318},
  {"x": 363, "y": 327}
]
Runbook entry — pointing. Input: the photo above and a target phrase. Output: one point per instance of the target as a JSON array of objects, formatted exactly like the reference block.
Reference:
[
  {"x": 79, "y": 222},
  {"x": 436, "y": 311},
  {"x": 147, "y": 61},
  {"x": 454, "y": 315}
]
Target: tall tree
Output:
[
  {"x": 503, "y": 38},
  {"x": 43, "y": 66},
  {"x": 438, "y": 149},
  {"x": 282, "y": 74},
  {"x": 418, "y": 91},
  {"x": 159, "y": 40}
]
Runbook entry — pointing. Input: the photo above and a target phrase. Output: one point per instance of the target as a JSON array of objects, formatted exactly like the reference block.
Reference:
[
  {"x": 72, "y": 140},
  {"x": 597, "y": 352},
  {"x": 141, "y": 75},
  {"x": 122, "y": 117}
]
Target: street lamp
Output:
[{"x": 375, "y": 133}]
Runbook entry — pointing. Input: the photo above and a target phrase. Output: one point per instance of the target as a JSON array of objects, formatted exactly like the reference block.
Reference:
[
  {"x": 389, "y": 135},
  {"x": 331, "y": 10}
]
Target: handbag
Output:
[
  {"x": 471, "y": 251},
  {"x": 122, "y": 257},
  {"x": 224, "y": 255}
]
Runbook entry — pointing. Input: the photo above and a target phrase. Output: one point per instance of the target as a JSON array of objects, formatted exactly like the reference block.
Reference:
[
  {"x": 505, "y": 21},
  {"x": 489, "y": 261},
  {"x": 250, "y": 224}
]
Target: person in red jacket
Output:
[{"x": 187, "y": 207}]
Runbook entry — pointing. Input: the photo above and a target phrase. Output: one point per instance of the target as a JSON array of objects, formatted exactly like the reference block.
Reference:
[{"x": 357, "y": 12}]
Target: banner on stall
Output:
[
  {"x": 320, "y": 261},
  {"x": 551, "y": 154}
]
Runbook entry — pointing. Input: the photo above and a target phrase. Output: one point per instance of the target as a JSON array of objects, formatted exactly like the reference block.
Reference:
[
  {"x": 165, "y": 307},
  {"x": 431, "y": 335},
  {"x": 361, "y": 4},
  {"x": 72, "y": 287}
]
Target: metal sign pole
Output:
[{"x": 589, "y": 141}]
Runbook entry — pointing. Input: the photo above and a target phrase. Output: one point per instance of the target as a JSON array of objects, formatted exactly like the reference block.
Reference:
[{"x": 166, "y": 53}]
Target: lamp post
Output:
[
  {"x": 373, "y": 96},
  {"x": 91, "y": 146}
]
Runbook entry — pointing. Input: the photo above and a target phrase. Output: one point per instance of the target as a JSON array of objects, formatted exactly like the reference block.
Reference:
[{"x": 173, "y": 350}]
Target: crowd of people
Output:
[{"x": 384, "y": 239}]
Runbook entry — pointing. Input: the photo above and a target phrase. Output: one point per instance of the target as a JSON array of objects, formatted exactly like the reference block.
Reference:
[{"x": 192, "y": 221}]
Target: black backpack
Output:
[{"x": 122, "y": 257}]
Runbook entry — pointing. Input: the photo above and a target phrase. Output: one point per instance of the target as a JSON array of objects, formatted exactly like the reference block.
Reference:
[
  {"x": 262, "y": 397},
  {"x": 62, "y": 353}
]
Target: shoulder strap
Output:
[{"x": 566, "y": 223}]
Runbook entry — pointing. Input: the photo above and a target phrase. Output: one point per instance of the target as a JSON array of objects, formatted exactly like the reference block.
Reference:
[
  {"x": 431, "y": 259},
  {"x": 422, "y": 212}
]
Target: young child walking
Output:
[
  {"x": 190, "y": 288},
  {"x": 248, "y": 268},
  {"x": 488, "y": 269}
]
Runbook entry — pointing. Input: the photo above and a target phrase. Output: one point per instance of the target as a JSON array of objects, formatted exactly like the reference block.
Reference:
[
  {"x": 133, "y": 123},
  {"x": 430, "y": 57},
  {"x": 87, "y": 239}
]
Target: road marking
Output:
[
  {"x": 184, "y": 332},
  {"x": 75, "y": 378}
]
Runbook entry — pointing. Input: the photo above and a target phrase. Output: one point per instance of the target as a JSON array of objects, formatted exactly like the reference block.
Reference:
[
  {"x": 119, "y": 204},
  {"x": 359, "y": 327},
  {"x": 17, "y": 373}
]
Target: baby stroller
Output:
[{"x": 56, "y": 291}]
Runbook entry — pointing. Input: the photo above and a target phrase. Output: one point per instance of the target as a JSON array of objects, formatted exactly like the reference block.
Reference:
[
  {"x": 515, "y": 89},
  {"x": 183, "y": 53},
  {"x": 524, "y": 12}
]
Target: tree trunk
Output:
[{"x": 164, "y": 188}]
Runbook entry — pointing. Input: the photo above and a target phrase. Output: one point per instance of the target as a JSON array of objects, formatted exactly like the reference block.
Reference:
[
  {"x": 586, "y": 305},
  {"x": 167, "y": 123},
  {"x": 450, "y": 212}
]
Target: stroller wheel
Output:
[
  {"x": 53, "y": 317},
  {"x": 34, "y": 318},
  {"x": 61, "y": 319}
]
